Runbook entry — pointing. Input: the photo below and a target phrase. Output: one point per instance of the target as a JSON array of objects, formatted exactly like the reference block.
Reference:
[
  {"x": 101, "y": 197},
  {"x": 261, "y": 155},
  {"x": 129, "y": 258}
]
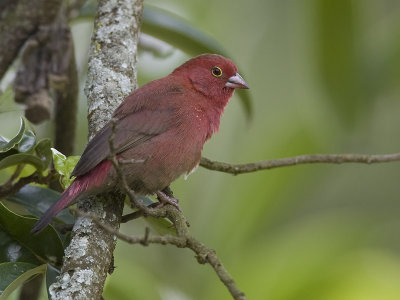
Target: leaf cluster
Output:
[
  {"x": 24, "y": 148},
  {"x": 23, "y": 255}
]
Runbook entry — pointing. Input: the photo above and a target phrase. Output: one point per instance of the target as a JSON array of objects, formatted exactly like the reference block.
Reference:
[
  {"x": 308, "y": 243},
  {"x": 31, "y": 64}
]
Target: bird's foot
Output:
[{"x": 167, "y": 199}]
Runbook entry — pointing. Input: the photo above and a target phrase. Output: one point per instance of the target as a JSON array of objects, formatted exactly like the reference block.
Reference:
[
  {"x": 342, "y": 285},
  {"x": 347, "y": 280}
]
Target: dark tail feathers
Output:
[
  {"x": 94, "y": 178},
  {"x": 65, "y": 200}
]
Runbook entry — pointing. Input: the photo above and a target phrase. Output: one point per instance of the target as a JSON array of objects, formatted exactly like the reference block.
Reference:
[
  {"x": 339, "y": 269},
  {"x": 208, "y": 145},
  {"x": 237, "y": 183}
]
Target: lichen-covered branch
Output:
[
  {"x": 111, "y": 77},
  {"x": 236, "y": 169},
  {"x": 112, "y": 61}
]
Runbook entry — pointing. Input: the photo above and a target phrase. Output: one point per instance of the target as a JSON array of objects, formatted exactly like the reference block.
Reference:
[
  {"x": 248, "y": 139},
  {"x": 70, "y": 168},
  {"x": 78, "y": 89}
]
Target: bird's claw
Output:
[{"x": 166, "y": 199}]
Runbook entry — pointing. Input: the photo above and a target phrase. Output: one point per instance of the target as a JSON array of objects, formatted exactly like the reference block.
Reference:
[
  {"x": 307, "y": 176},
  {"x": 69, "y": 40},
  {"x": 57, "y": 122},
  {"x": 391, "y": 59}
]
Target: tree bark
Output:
[
  {"x": 111, "y": 77},
  {"x": 19, "y": 19}
]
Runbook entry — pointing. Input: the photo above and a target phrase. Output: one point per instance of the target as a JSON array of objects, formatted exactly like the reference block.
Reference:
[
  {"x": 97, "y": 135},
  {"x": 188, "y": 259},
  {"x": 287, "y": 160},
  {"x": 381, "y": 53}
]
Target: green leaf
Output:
[
  {"x": 7, "y": 145},
  {"x": 181, "y": 34},
  {"x": 88, "y": 9},
  {"x": 21, "y": 158},
  {"x": 36, "y": 200},
  {"x": 27, "y": 142},
  {"x": 245, "y": 97},
  {"x": 46, "y": 245},
  {"x": 39, "y": 162},
  {"x": 338, "y": 60},
  {"x": 64, "y": 166},
  {"x": 70, "y": 164},
  {"x": 12, "y": 251},
  {"x": 145, "y": 200},
  {"x": 7, "y": 95},
  {"x": 12, "y": 275},
  {"x": 178, "y": 32},
  {"x": 58, "y": 159},
  {"x": 8, "y": 153},
  {"x": 162, "y": 226},
  {"x": 3, "y": 141},
  {"x": 43, "y": 151}
]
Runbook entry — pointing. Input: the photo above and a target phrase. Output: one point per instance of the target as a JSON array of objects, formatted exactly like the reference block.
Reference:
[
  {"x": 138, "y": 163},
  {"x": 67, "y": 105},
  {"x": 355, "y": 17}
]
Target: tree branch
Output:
[
  {"x": 48, "y": 68},
  {"x": 111, "y": 77},
  {"x": 18, "y": 20},
  {"x": 183, "y": 240},
  {"x": 9, "y": 188},
  {"x": 236, "y": 169},
  {"x": 63, "y": 79}
]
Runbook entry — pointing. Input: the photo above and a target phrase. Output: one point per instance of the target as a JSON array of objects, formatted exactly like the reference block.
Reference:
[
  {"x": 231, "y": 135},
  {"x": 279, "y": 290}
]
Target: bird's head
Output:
[{"x": 212, "y": 75}]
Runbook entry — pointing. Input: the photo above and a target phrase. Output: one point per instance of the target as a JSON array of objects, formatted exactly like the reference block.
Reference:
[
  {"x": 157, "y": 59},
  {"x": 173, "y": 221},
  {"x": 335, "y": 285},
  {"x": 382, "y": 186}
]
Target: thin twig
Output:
[
  {"x": 143, "y": 240},
  {"x": 183, "y": 240},
  {"x": 9, "y": 189},
  {"x": 136, "y": 214},
  {"x": 15, "y": 175},
  {"x": 297, "y": 160},
  {"x": 132, "y": 216}
]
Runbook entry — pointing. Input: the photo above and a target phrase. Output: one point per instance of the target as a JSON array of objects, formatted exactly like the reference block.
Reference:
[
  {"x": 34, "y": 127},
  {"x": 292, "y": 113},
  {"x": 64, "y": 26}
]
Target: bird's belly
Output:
[{"x": 158, "y": 162}]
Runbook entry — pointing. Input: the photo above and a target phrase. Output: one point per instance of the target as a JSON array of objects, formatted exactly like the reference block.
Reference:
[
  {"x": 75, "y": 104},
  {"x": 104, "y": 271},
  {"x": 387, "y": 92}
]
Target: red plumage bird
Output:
[{"x": 165, "y": 124}]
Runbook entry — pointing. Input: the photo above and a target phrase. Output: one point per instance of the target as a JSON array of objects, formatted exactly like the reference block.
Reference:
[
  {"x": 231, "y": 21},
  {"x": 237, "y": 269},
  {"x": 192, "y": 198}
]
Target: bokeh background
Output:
[{"x": 324, "y": 78}]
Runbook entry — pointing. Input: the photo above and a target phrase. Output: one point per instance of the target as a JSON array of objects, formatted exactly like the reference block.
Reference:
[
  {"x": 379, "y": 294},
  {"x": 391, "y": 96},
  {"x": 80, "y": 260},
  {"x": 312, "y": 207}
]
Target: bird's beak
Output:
[{"x": 236, "y": 82}]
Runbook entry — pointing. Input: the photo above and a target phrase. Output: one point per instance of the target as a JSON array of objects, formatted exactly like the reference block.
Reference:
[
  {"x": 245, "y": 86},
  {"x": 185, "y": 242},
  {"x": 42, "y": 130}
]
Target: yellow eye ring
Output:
[{"x": 216, "y": 71}]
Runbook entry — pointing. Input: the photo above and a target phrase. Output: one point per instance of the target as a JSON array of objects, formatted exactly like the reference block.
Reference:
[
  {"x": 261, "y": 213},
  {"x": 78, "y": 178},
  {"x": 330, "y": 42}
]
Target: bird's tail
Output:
[
  {"x": 67, "y": 198},
  {"x": 82, "y": 184}
]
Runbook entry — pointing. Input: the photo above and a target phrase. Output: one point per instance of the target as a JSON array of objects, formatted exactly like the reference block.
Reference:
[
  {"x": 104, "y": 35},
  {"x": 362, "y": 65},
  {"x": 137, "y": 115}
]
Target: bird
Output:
[{"x": 161, "y": 127}]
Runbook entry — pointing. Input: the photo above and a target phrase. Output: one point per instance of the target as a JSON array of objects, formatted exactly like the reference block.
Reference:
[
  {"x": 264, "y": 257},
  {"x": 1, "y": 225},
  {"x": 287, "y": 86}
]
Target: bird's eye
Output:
[{"x": 216, "y": 71}]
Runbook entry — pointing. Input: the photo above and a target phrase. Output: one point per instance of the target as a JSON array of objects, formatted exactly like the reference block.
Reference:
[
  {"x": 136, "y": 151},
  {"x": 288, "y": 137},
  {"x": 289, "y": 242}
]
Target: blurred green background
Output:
[{"x": 324, "y": 78}]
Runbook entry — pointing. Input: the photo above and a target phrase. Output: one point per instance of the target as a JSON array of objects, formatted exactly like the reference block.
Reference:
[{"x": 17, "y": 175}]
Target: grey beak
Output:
[{"x": 237, "y": 82}]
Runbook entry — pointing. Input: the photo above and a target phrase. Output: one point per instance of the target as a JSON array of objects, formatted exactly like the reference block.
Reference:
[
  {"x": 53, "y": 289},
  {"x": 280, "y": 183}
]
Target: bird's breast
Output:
[{"x": 162, "y": 159}]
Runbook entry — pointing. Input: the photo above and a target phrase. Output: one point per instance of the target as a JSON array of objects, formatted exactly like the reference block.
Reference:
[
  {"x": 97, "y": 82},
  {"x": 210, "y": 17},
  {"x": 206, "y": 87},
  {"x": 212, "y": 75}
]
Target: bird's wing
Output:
[{"x": 135, "y": 125}]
